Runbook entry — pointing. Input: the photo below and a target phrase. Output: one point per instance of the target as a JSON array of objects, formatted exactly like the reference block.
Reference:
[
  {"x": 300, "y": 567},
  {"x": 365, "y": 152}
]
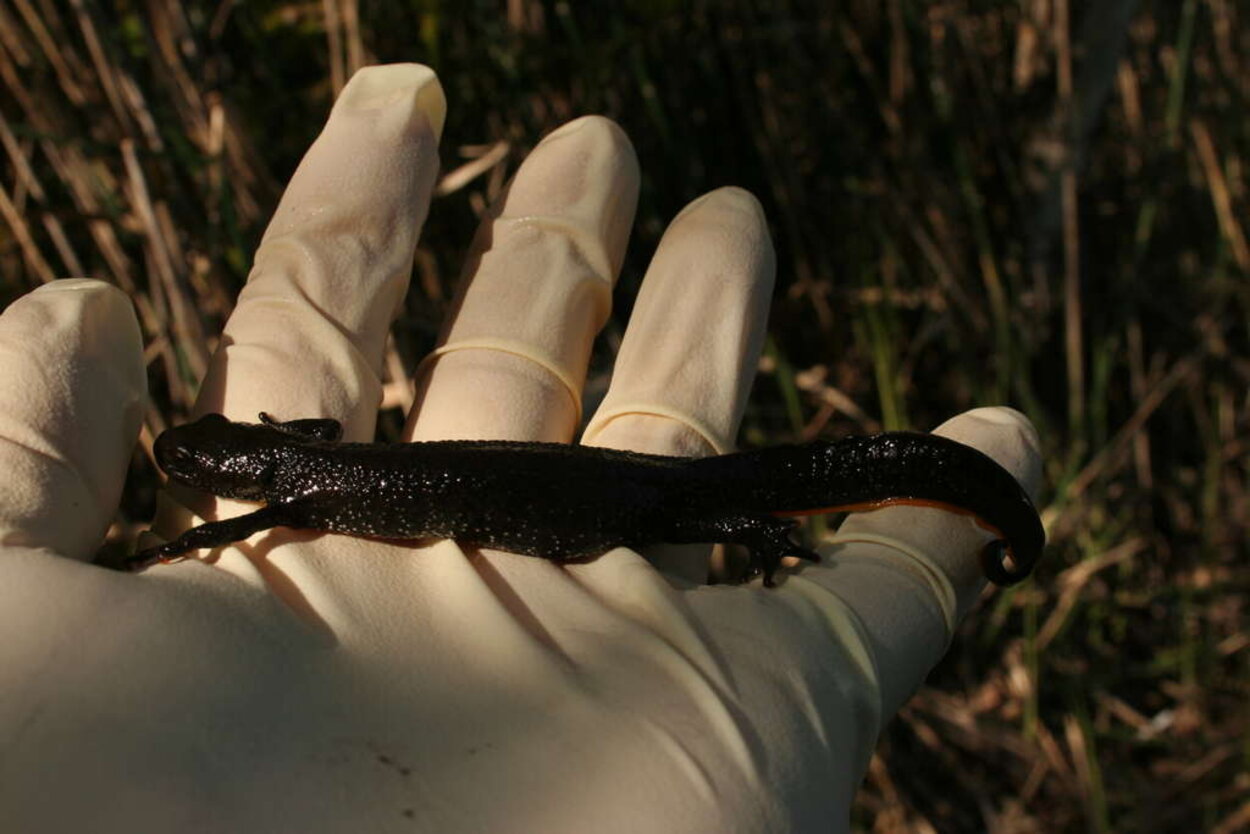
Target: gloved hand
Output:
[{"x": 306, "y": 681}]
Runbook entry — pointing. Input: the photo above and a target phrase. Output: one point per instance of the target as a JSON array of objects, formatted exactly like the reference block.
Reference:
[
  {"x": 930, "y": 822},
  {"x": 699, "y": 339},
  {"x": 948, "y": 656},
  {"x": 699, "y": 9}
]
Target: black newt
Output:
[{"x": 564, "y": 502}]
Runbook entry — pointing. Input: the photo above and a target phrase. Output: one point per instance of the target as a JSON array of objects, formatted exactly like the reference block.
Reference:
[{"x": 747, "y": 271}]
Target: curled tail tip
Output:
[{"x": 1003, "y": 566}]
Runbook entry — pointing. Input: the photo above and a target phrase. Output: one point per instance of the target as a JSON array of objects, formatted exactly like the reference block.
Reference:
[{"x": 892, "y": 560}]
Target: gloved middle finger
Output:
[{"x": 537, "y": 287}]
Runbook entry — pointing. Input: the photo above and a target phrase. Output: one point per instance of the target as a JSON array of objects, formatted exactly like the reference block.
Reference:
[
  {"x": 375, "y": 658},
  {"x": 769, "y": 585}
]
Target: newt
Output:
[{"x": 566, "y": 502}]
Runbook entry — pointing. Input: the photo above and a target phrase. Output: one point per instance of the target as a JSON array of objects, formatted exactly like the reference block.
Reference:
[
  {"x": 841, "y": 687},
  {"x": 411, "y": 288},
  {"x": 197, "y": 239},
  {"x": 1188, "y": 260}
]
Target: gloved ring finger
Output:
[{"x": 685, "y": 366}]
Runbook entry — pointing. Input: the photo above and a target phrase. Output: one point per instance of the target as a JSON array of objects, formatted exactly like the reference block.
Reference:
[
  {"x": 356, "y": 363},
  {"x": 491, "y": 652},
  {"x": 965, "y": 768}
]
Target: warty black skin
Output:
[{"x": 565, "y": 502}]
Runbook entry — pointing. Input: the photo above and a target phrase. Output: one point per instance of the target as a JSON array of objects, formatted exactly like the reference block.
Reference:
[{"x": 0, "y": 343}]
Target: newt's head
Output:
[{"x": 228, "y": 459}]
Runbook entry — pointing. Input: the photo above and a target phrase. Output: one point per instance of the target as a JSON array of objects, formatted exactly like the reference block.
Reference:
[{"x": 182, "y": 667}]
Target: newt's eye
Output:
[{"x": 178, "y": 457}]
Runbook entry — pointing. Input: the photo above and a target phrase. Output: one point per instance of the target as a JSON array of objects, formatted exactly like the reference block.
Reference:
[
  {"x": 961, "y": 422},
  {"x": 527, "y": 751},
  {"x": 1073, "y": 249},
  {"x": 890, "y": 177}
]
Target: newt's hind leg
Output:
[{"x": 766, "y": 536}]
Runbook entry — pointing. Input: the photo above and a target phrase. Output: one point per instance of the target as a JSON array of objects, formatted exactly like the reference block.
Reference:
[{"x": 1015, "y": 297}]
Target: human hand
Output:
[{"x": 316, "y": 681}]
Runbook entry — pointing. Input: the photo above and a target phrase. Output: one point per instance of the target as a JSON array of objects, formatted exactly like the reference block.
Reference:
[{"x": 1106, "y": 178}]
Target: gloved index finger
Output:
[{"x": 307, "y": 336}]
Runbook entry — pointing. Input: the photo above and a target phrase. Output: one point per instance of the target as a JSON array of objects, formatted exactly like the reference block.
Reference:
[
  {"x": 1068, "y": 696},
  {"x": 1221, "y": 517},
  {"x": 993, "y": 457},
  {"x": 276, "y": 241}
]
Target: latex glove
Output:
[{"x": 315, "y": 682}]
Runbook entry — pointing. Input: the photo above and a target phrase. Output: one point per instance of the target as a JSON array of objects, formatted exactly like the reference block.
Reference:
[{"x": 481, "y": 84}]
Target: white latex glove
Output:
[{"x": 313, "y": 682}]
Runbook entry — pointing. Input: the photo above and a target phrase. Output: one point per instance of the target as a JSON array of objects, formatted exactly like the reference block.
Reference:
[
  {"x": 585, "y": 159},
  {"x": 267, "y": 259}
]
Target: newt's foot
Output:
[
  {"x": 149, "y": 556},
  {"x": 767, "y": 560},
  {"x": 768, "y": 539}
]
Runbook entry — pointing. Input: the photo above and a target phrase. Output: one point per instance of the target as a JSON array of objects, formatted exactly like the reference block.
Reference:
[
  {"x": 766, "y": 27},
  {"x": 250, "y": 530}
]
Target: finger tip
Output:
[
  {"x": 82, "y": 285},
  {"x": 730, "y": 198},
  {"x": 595, "y": 131},
  {"x": 591, "y": 144},
  {"x": 88, "y": 293},
  {"x": 1006, "y": 435},
  {"x": 97, "y": 312},
  {"x": 729, "y": 202},
  {"x": 1012, "y": 424},
  {"x": 734, "y": 216},
  {"x": 377, "y": 87}
]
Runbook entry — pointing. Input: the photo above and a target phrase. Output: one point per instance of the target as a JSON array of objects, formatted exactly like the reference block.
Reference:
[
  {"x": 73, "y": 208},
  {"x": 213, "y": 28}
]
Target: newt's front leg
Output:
[{"x": 214, "y": 534}]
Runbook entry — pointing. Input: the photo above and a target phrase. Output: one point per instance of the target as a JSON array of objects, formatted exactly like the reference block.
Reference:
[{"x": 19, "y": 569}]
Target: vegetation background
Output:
[{"x": 1038, "y": 202}]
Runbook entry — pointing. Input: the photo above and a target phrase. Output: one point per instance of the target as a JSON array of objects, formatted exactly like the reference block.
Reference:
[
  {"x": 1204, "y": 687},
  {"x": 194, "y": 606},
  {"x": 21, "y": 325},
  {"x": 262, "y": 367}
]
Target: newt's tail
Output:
[{"x": 868, "y": 472}]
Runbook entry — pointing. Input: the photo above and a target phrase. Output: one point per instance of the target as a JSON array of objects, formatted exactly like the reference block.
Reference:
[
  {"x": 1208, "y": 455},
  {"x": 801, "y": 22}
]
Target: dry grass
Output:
[{"x": 1037, "y": 203}]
